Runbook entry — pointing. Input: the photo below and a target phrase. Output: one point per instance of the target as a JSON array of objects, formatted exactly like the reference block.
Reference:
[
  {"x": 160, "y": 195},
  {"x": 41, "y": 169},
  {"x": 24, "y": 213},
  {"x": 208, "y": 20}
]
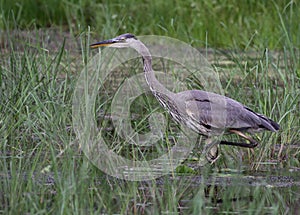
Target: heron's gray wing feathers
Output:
[{"x": 221, "y": 112}]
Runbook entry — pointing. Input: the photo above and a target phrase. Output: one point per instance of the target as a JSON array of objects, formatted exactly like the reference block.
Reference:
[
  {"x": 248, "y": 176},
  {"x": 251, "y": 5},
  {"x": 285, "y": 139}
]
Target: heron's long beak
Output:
[{"x": 103, "y": 43}]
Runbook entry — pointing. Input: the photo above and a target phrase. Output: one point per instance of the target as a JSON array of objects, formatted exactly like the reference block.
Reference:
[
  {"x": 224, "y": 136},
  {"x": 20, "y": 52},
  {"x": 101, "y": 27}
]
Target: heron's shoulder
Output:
[{"x": 201, "y": 95}]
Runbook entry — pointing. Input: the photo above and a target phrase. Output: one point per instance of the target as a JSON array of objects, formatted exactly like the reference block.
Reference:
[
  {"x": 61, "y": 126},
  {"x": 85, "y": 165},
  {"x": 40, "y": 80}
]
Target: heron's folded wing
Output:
[{"x": 221, "y": 113}]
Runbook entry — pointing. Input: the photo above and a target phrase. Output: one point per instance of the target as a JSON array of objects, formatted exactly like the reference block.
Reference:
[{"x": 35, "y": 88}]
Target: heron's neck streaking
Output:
[{"x": 154, "y": 84}]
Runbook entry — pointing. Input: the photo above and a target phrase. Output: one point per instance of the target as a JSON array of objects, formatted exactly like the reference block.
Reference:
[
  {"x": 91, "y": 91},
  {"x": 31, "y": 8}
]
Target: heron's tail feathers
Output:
[{"x": 268, "y": 123}]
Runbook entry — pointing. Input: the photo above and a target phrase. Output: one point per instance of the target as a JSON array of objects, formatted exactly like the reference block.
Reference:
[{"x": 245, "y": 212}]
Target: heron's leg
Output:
[
  {"x": 252, "y": 143},
  {"x": 210, "y": 152}
]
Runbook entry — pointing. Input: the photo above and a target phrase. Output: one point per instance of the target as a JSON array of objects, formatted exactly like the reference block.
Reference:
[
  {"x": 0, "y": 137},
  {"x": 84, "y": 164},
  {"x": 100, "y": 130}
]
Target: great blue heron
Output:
[{"x": 200, "y": 110}]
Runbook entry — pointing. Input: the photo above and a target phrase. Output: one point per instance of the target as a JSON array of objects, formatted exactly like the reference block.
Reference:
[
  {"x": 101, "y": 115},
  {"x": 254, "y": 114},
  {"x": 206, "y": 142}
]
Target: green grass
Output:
[
  {"x": 250, "y": 24},
  {"x": 44, "y": 171}
]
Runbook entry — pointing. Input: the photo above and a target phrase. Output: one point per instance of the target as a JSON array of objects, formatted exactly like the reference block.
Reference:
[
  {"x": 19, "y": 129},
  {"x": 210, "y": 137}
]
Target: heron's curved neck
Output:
[{"x": 154, "y": 84}]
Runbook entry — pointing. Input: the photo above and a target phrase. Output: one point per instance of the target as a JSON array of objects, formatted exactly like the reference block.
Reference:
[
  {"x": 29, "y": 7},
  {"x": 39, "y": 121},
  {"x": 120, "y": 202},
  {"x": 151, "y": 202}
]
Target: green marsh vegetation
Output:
[{"x": 42, "y": 169}]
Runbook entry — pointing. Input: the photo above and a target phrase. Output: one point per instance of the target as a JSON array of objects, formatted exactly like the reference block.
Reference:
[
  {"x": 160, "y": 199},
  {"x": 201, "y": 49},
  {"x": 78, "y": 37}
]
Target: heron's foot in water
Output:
[
  {"x": 212, "y": 155},
  {"x": 209, "y": 154}
]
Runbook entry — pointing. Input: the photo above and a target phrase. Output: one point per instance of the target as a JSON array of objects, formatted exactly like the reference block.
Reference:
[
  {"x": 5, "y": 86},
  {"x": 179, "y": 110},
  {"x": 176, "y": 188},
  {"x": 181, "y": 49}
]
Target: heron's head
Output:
[{"x": 121, "y": 41}]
